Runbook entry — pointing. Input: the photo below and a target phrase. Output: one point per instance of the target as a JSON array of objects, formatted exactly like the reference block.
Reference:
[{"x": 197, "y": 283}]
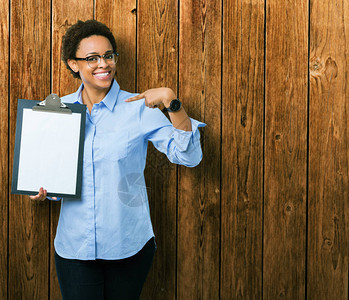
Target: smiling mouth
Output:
[{"x": 102, "y": 75}]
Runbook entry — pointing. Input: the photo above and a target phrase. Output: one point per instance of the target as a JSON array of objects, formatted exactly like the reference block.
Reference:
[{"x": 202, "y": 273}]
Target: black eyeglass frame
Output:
[{"x": 99, "y": 57}]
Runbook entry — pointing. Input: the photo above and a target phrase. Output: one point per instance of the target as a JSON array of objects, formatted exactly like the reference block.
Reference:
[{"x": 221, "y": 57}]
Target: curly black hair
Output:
[{"x": 77, "y": 32}]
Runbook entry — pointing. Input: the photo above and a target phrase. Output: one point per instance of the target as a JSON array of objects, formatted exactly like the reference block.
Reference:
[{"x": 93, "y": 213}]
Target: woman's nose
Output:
[{"x": 102, "y": 62}]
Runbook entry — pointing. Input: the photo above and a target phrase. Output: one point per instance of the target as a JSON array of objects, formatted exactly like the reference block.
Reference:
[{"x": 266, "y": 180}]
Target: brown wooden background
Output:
[{"x": 266, "y": 214}]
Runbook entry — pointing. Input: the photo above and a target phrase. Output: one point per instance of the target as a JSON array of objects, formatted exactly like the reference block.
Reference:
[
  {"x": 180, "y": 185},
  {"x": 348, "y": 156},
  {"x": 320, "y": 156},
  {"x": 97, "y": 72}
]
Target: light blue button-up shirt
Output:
[{"x": 111, "y": 220}]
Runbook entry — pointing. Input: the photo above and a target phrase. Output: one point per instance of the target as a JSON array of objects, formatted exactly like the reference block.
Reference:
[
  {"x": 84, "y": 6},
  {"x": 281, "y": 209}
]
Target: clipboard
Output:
[{"x": 49, "y": 147}]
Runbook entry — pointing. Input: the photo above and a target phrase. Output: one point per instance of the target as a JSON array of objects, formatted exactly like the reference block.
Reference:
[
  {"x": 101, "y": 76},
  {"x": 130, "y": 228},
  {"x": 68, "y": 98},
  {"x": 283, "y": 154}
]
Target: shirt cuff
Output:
[{"x": 182, "y": 138}]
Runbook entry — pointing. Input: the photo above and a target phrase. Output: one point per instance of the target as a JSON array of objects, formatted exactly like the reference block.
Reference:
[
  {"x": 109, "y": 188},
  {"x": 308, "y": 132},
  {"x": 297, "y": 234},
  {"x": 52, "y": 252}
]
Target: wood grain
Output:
[
  {"x": 28, "y": 220},
  {"x": 4, "y": 153},
  {"x": 242, "y": 227},
  {"x": 328, "y": 151},
  {"x": 157, "y": 66},
  {"x": 285, "y": 150},
  {"x": 121, "y": 16},
  {"x": 64, "y": 14},
  {"x": 199, "y": 188},
  {"x": 242, "y": 150}
]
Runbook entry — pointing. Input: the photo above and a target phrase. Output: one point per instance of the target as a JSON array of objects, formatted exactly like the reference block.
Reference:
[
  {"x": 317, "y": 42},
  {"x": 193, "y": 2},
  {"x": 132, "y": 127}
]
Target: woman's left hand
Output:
[{"x": 156, "y": 97}]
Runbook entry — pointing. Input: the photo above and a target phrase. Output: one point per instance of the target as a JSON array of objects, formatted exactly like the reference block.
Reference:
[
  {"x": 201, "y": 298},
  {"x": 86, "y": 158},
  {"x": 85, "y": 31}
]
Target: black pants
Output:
[{"x": 105, "y": 279}]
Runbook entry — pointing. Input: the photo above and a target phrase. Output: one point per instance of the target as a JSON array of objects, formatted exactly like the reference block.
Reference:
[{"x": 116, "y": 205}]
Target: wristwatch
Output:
[{"x": 175, "y": 105}]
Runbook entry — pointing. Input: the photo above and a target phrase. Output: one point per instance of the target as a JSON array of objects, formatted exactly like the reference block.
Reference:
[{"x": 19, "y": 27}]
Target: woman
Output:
[{"x": 104, "y": 245}]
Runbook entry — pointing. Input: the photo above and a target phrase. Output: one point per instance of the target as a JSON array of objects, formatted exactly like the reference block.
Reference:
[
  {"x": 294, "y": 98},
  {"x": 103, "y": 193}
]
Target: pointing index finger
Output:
[{"x": 135, "y": 98}]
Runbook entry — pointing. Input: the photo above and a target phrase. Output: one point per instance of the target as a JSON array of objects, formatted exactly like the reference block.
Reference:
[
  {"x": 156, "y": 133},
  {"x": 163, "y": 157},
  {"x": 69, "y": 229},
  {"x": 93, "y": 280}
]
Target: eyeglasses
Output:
[{"x": 94, "y": 60}]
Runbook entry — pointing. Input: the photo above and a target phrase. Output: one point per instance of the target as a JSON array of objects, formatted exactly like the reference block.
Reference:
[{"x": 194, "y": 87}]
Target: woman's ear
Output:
[{"x": 73, "y": 65}]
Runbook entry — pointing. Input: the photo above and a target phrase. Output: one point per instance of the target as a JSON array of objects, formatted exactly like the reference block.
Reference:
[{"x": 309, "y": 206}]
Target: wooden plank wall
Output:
[
  {"x": 285, "y": 158},
  {"x": 28, "y": 234},
  {"x": 266, "y": 213}
]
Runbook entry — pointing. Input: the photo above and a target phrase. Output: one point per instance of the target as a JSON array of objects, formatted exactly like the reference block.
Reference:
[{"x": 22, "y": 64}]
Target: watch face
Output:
[{"x": 175, "y": 105}]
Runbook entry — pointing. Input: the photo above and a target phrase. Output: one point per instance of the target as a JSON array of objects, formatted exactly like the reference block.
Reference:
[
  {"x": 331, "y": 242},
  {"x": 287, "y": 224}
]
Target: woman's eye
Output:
[{"x": 92, "y": 58}]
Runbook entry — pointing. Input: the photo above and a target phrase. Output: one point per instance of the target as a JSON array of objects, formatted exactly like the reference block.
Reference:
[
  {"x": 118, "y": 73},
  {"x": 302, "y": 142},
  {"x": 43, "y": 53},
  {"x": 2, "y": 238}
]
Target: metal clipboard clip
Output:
[{"x": 52, "y": 103}]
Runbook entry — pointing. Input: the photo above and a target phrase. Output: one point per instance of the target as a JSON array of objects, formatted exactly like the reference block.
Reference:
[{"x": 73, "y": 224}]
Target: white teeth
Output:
[{"x": 102, "y": 74}]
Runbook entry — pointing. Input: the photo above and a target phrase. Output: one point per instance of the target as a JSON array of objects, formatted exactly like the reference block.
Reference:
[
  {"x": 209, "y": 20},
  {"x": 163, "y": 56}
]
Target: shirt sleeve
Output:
[{"x": 181, "y": 147}]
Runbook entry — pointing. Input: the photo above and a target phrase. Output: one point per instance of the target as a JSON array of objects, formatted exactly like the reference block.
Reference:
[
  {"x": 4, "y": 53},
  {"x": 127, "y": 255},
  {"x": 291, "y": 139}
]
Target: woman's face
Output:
[{"x": 101, "y": 76}]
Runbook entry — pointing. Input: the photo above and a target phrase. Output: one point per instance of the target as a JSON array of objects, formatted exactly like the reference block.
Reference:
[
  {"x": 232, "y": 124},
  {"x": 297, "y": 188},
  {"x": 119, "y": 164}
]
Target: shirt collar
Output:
[{"x": 109, "y": 100}]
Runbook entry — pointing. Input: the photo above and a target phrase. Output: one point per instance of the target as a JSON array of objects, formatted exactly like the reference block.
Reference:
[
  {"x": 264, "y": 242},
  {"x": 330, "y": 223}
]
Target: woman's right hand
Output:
[{"x": 41, "y": 196}]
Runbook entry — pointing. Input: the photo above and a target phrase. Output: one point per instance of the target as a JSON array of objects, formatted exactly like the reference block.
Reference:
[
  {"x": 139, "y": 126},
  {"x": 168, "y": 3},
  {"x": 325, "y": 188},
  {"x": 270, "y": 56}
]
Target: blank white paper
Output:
[{"x": 49, "y": 151}]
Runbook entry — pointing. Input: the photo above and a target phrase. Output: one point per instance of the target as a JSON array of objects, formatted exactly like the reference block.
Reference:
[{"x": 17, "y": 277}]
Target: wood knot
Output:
[
  {"x": 288, "y": 208},
  {"x": 331, "y": 69},
  {"x": 243, "y": 120},
  {"x": 134, "y": 11},
  {"x": 327, "y": 243},
  {"x": 316, "y": 65},
  {"x": 30, "y": 58},
  {"x": 282, "y": 294}
]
